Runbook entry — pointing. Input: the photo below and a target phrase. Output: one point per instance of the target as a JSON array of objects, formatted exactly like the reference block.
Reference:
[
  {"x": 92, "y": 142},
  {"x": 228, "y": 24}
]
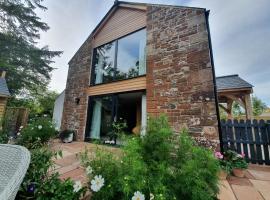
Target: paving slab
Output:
[
  {"x": 246, "y": 193},
  {"x": 263, "y": 187},
  {"x": 239, "y": 181},
  {"x": 260, "y": 175},
  {"x": 225, "y": 191}
]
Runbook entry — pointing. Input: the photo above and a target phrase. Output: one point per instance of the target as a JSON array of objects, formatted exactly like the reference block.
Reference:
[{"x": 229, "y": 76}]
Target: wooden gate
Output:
[{"x": 249, "y": 137}]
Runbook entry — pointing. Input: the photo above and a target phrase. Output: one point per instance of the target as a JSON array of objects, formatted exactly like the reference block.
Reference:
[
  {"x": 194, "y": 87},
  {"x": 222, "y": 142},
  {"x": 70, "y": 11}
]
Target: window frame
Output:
[{"x": 92, "y": 70}]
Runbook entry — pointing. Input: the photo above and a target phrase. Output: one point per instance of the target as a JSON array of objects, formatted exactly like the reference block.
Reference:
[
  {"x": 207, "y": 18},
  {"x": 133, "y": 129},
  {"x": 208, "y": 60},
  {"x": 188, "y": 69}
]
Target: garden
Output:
[{"x": 160, "y": 165}]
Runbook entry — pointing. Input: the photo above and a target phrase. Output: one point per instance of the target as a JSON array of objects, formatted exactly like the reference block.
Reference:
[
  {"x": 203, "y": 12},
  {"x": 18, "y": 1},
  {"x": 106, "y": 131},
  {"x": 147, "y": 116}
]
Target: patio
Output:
[{"x": 255, "y": 186}]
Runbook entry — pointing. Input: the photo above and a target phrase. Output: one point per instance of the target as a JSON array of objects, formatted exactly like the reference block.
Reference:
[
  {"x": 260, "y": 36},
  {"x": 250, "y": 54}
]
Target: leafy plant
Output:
[
  {"x": 118, "y": 128},
  {"x": 37, "y": 133},
  {"x": 223, "y": 163},
  {"x": 42, "y": 183},
  {"x": 236, "y": 160},
  {"x": 155, "y": 166},
  {"x": 3, "y": 137}
]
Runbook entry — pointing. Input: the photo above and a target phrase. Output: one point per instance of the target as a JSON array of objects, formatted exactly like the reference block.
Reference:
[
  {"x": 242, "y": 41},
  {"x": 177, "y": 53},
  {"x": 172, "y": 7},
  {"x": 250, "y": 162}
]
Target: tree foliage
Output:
[
  {"x": 38, "y": 104},
  {"x": 258, "y": 106},
  {"x": 28, "y": 65}
]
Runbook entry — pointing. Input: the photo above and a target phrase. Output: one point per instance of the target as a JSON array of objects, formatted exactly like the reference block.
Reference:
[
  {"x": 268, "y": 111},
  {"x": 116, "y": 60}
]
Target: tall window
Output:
[{"x": 120, "y": 59}]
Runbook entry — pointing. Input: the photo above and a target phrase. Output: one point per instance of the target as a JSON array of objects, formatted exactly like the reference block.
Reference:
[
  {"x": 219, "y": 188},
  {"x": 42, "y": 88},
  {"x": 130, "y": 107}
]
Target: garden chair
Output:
[{"x": 14, "y": 162}]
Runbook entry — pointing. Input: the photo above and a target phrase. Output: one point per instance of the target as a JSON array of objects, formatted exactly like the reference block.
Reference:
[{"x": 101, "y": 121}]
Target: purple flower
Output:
[{"x": 31, "y": 188}]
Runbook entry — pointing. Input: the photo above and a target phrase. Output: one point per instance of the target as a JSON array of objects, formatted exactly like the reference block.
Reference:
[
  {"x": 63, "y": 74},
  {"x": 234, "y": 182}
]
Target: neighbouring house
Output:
[
  {"x": 233, "y": 88},
  {"x": 143, "y": 60},
  {"x": 4, "y": 94},
  {"x": 58, "y": 109}
]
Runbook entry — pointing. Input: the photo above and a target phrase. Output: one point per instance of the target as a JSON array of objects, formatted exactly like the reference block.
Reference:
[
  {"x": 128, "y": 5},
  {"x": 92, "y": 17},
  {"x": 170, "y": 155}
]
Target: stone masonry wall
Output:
[
  {"x": 179, "y": 71},
  {"x": 74, "y": 115}
]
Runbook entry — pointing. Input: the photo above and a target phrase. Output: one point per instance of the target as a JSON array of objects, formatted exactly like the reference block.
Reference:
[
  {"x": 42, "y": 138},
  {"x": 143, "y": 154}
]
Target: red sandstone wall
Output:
[{"x": 179, "y": 71}]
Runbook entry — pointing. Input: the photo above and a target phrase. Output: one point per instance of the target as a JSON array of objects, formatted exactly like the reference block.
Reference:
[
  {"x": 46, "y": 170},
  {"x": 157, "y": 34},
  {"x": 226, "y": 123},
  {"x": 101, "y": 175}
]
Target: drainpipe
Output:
[{"x": 207, "y": 12}]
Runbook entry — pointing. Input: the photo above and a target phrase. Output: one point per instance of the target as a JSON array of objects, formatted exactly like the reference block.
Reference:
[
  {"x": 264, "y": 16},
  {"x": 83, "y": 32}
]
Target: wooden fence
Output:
[
  {"x": 14, "y": 119},
  {"x": 249, "y": 137}
]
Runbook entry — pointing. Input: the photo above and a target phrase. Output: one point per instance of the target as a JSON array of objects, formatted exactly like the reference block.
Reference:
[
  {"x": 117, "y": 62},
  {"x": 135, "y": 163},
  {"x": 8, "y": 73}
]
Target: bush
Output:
[
  {"x": 41, "y": 184},
  {"x": 37, "y": 133},
  {"x": 155, "y": 166},
  {"x": 3, "y": 137}
]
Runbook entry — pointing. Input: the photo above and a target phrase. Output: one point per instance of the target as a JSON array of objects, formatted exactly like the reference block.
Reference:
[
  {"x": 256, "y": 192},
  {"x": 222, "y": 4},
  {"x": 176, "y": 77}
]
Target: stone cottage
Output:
[{"x": 143, "y": 60}]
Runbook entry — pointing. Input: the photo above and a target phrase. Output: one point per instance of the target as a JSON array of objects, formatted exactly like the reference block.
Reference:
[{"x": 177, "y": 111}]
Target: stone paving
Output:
[{"x": 254, "y": 186}]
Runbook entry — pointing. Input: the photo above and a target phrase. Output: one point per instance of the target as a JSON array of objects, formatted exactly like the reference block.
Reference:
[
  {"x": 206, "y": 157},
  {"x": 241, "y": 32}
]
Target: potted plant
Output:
[
  {"x": 239, "y": 166},
  {"x": 238, "y": 163},
  {"x": 67, "y": 136},
  {"x": 225, "y": 166}
]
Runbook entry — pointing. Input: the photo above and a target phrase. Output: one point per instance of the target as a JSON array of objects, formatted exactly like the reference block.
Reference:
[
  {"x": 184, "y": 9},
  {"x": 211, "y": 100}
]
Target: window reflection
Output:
[
  {"x": 104, "y": 63},
  {"x": 130, "y": 61},
  {"x": 131, "y": 55}
]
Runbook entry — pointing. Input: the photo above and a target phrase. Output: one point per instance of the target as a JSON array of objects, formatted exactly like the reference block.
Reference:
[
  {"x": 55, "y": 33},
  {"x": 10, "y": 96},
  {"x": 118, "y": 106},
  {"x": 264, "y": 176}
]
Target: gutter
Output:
[{"x": 207, "y": 12}]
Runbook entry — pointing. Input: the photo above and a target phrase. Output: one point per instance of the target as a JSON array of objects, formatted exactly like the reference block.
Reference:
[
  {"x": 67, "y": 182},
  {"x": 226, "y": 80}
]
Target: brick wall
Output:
[
  {"x": 179, "y": 71},
  {"x": 74, "y": 115}
]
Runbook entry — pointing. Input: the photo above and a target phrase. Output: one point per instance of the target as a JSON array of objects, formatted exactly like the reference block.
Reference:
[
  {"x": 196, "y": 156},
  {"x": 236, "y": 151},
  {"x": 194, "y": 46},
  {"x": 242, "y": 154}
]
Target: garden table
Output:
[{"x": 14, "y": 162}]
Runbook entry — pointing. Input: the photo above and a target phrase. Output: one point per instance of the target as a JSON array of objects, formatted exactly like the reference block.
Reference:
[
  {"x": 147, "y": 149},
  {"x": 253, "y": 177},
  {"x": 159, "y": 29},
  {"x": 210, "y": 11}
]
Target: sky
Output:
[{"x": 240, "y": 33}]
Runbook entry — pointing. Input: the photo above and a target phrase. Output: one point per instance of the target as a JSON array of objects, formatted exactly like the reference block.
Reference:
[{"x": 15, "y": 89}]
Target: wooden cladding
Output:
[
  {"x": 3, "y": 102},
  {"x": 122, "y": 22},
  {"x": 119, "y": 86}
]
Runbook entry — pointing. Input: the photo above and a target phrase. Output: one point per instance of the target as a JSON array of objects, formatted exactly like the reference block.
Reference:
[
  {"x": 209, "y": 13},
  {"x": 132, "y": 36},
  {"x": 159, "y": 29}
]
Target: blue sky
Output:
[{"x": 240, "y": 31}]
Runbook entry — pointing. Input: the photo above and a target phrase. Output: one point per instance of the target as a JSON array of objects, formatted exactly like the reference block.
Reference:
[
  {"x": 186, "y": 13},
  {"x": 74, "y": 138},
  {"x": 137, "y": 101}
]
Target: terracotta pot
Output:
[
  {"x": 68, "y": 139},
  {"x": 238, "y": 172},
  {"x": 222, "y": 175}
]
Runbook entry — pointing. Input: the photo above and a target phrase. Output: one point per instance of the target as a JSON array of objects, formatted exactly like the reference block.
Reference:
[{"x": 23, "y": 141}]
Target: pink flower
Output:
[{"x": 218, "y": 155}]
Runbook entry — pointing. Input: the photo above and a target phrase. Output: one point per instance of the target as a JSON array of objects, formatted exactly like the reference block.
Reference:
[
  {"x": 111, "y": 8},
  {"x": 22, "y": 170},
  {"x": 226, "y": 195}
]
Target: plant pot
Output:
[
  {"x": 222, "y": 175},
  {"x": 68, "y": 139},
  {"x": 238, "y": 172}
]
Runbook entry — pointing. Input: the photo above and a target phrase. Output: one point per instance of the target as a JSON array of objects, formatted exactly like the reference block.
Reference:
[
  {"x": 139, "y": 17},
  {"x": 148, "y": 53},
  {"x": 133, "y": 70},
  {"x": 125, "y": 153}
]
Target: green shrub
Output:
[
  {"x": 156, "y": 166},
  {"x": 3, "y": 137},
  {"x": 41, "y": 184},
  {"x": 37, "y": 133}
]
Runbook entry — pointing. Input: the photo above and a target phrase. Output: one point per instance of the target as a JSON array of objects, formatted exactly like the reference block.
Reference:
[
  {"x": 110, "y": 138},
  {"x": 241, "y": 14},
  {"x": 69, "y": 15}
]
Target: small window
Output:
[{"x": 120, "y": 59}]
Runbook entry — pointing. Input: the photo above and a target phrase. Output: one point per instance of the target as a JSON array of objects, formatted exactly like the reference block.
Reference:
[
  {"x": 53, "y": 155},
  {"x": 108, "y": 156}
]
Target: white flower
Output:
[
  {"x": 138, "y": 196},
  {"x": 89, "y": 170},
  {"x": 18, "y": 133},
  {"x": 21, "y": 127},
  {"x": 77, "y": 186},
  {"x": 39, "y": 127},
  {"x": 151, "y": 196},
  {"x": 45, "y": 115},
  {"x": 97, "y": 183}
]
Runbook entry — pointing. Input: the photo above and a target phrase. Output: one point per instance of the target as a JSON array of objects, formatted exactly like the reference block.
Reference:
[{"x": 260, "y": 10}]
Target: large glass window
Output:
[
  {"x": 121, "y": 59},
  {"x": 104, "y": 64}
]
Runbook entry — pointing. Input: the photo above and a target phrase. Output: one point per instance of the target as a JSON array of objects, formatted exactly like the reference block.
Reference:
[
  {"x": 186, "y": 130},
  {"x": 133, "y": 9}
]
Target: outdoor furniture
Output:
[{"x": 14, "y": 162}]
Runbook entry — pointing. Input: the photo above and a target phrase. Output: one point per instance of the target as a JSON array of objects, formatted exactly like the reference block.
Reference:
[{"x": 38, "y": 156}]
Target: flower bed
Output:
[{"x": 156, "y": 166}]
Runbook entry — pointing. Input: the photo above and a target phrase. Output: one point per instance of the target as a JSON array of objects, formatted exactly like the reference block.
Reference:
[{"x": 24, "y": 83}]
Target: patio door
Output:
[{"x": 104, "y": 110}]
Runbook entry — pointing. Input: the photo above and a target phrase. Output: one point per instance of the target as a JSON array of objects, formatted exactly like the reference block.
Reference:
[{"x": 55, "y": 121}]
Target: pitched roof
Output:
[
  {"x": 3, "y": 88},
  {"x": 232, "y": 82}
]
